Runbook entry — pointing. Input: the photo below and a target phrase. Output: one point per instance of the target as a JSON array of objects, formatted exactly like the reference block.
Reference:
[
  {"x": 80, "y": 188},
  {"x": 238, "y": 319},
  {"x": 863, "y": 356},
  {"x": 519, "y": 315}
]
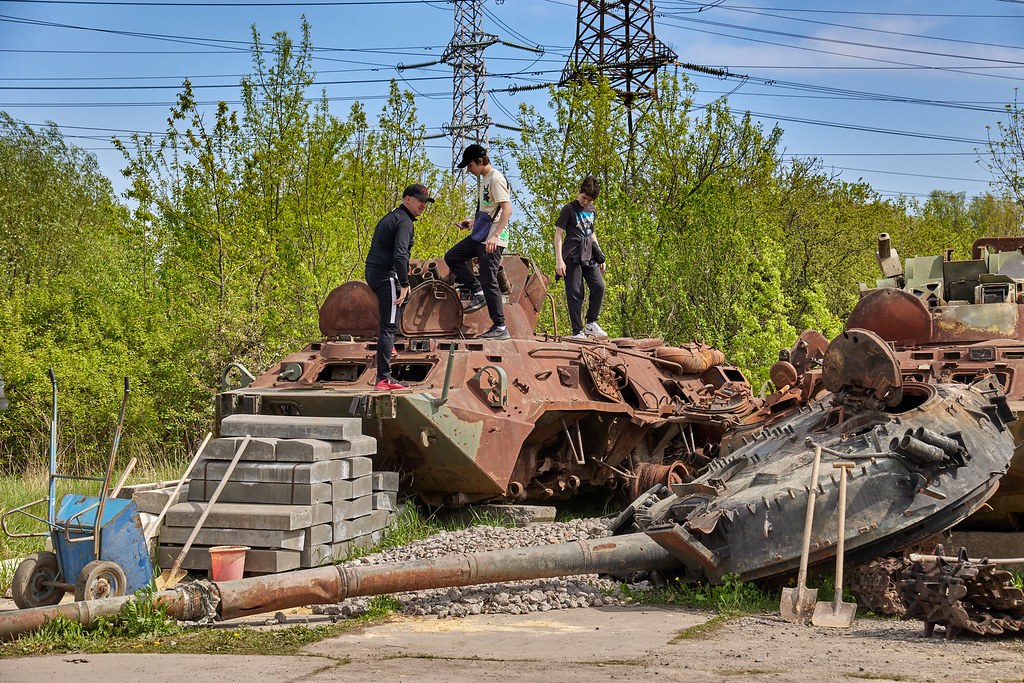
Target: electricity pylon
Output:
[
  {"x": 465, "y": 54},
  {"x": 616, "y": 38}
]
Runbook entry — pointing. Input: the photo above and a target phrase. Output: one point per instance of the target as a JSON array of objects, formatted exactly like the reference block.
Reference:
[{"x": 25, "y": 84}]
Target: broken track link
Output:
[{"x": 976, "y": 597}]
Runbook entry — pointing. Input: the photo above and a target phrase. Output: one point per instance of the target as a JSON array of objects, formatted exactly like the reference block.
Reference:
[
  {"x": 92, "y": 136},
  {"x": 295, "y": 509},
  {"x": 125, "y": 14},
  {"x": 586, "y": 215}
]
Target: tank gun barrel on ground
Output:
[{"x": 331, "y": 584}]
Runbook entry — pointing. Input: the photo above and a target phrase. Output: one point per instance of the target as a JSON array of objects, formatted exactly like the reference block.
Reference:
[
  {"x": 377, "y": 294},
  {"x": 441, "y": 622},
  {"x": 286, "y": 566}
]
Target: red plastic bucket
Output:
[{"x": 227, "y": 562}]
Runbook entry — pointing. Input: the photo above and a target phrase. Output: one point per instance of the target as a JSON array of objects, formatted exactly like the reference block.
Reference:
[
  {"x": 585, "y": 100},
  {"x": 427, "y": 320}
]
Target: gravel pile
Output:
[{"x": 517, "y": 597}]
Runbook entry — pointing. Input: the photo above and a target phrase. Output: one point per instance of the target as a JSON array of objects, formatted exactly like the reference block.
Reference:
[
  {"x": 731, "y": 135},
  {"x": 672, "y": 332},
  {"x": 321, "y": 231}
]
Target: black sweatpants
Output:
[
  {"x": 458, "y": 258},
  {"x": 385, "y": 285},
  {"x": 575, "y": 275}
]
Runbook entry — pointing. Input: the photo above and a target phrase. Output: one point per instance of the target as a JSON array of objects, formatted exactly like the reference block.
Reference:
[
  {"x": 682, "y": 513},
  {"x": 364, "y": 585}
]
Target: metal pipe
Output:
[
  {"x": 98, "y": 528},
  {"x": 949, "y": 446},
  {"x": 448, "y": 372},
  {"x": 331, "y": 584},
  {"x": 917, "y": 450},
  {"x": 554, "y": 315},
  {"x": 51, "y": 512}
]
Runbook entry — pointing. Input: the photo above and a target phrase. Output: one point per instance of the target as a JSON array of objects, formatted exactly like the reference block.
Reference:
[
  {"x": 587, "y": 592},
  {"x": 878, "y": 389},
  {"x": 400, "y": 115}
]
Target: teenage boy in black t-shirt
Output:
[{"x": 578, "y": 258}]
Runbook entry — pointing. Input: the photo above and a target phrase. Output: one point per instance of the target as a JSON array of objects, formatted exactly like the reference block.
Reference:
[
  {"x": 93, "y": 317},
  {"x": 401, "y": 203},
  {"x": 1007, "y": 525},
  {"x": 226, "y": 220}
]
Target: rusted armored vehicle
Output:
[
  {"x": 954, "y": 321},
  {"x": 537, "y": 417},
  {"x": 925, "y": 455}
]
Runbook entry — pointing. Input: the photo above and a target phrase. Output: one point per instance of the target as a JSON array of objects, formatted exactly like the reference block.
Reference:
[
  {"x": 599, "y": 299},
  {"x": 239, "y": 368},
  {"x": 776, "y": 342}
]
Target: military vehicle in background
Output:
[
  {"x": 3, "y": 398},
  {"x": 537, "y": 417},
  {"x": 954, "y": 321}
]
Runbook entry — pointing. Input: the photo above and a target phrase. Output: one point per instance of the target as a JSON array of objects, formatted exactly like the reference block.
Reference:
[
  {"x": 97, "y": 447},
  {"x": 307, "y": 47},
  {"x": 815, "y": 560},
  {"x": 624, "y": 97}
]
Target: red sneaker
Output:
[{"x": 388, "y": 384}]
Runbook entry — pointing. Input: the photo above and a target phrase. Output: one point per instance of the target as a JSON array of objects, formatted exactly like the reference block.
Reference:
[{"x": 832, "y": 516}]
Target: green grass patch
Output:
[
  {"x": 705, "y": 630},
  {"x": 732, "y": 596}
]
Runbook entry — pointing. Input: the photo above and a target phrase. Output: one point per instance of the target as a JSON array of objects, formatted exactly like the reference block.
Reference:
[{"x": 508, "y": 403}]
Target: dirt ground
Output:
[{"x": 598, "y": 644}]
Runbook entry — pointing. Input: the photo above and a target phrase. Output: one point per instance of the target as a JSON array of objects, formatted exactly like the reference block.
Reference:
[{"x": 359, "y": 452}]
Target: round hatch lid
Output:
[
  {"x": 352, "y": 309},
  {"x": 861, "y": 361},
  {"x": 894, "y": 315}
]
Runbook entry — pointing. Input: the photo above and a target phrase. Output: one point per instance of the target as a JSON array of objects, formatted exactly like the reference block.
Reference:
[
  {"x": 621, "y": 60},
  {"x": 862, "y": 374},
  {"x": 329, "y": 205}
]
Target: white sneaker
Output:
[
  {"x": 578, "y": 335},
  {"x": 594, "y": 330}
]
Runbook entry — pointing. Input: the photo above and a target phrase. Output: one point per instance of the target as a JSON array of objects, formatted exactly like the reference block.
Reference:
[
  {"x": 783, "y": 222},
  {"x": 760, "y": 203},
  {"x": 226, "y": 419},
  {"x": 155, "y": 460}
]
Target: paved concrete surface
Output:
[{"x": 594, "y": 645}]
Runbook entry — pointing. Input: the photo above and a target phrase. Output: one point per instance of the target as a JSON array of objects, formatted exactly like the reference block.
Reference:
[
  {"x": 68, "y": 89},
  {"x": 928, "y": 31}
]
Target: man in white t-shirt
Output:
[{"x": 486, "y": 244}]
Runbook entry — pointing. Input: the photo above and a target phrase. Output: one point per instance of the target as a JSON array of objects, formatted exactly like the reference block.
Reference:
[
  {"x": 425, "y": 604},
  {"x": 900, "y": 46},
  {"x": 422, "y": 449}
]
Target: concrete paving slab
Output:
[
  {"x": 256, "y": 560},
  {"x": 153, "y": 500},
  {"x": 362, "y": 486},
  {"x": 351, "y": 509},
  {"x": 385, "y": 481},
  {"x": 261, "y": 492},
  {"x": 260, "y": 450},
  {"x": 274, "y": 472},
  {"x": 248, "y": 516},
  {"x": 254, "y": 538},
  {"x": 385, "y": 501},
  {"x": 361, "y": 465},
  {"x": 292, "y": 427},
  {"x": 357, "y": 445},
  {"x": 342, "y": 489}
]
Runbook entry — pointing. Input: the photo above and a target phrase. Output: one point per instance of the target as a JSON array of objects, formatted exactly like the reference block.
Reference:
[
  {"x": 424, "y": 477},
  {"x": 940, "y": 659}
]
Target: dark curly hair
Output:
[{"x": 591, "y": 187}]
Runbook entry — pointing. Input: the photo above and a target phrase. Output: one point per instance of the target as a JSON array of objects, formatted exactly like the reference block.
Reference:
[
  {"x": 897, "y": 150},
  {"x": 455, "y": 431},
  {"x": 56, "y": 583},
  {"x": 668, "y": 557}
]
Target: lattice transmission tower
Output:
[
  {"x": 465, "y": 54},
  {"x": 616, "y": 37}
]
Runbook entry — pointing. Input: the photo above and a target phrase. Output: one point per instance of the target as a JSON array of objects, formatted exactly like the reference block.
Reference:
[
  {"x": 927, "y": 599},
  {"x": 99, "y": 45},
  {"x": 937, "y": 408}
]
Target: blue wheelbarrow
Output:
[{"x": 99, "y": 549}]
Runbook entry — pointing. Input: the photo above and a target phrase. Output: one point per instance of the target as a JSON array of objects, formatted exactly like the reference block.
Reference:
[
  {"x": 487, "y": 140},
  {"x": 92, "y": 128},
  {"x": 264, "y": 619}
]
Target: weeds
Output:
[
  {"x": 381, "y": 606},
  {"x": 731, "y": 597}
]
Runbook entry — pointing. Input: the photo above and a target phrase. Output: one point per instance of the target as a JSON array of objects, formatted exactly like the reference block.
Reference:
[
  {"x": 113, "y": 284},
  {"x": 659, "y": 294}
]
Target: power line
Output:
[
  {"x": 874, "y": 30},
  {"x": 947, "y": 69},
  {"x": 789, "y": 34},
  {"x": 269, "y": 3}
]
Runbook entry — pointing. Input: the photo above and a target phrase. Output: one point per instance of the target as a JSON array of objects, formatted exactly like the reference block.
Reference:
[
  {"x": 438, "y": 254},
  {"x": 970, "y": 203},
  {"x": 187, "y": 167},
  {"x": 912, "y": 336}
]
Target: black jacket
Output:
[{"x": 391, "y": 244}]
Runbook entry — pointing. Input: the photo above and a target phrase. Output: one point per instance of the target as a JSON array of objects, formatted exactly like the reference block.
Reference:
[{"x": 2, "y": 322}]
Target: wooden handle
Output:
[
  {"x": 209, "y": 505},
  {"x": 155, "y": 526}
]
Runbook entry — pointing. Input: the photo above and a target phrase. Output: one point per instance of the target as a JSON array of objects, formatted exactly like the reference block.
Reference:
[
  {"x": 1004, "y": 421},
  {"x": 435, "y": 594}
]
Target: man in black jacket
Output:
[{"x": 387, "y": 273}]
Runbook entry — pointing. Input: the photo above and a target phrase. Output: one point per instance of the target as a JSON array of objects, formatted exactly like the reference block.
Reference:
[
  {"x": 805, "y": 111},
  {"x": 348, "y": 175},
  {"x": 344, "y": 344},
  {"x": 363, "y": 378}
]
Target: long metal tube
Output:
[{"x": 326, "y": 585}]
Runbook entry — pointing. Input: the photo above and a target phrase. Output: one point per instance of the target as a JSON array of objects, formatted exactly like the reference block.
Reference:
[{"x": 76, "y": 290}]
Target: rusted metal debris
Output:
[
  {"x": 537, "y": 417},
  {"x": 962, "y": 595}
]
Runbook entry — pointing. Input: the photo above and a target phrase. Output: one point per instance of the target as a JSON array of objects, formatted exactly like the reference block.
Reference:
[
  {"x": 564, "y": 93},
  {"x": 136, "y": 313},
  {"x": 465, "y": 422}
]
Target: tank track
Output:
[
  {"x": 876, "y": 585},
  {"x": 976, "y": 597}
]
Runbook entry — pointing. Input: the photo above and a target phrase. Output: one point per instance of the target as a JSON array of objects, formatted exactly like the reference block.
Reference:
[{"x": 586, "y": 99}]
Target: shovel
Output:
[
  {"x": 170, "y": 577},
  {"x": 838, "y": 614},
  {"x": 797, "y": 603}
]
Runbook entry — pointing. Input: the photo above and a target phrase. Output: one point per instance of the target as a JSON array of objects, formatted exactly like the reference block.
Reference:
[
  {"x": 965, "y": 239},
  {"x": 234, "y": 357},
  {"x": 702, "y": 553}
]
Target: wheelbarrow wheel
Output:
[
  {"x": 100, "y": 579},
  {"x": 32, "y": 585}
]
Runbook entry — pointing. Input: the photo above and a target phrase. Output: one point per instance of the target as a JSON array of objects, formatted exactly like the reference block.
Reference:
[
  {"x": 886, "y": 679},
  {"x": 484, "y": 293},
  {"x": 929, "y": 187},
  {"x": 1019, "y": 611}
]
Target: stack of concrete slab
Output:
[{"x": 303, "y": 494}]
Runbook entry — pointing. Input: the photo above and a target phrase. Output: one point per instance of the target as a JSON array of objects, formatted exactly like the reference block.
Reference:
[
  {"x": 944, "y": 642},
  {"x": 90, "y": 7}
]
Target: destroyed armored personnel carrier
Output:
[
  {"x": 954, "y": 321},
  {"x": 537, "y": 417}
]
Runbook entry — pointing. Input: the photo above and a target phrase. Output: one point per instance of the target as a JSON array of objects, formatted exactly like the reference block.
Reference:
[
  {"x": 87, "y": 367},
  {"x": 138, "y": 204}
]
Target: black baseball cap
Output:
[
  {"x": 472, "y": 153},
  {"x": 418, "y": 192}
]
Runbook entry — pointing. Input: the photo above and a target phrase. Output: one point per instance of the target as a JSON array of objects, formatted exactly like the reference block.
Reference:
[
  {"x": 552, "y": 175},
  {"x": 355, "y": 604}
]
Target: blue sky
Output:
[{"x": 898, "y": 93}]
